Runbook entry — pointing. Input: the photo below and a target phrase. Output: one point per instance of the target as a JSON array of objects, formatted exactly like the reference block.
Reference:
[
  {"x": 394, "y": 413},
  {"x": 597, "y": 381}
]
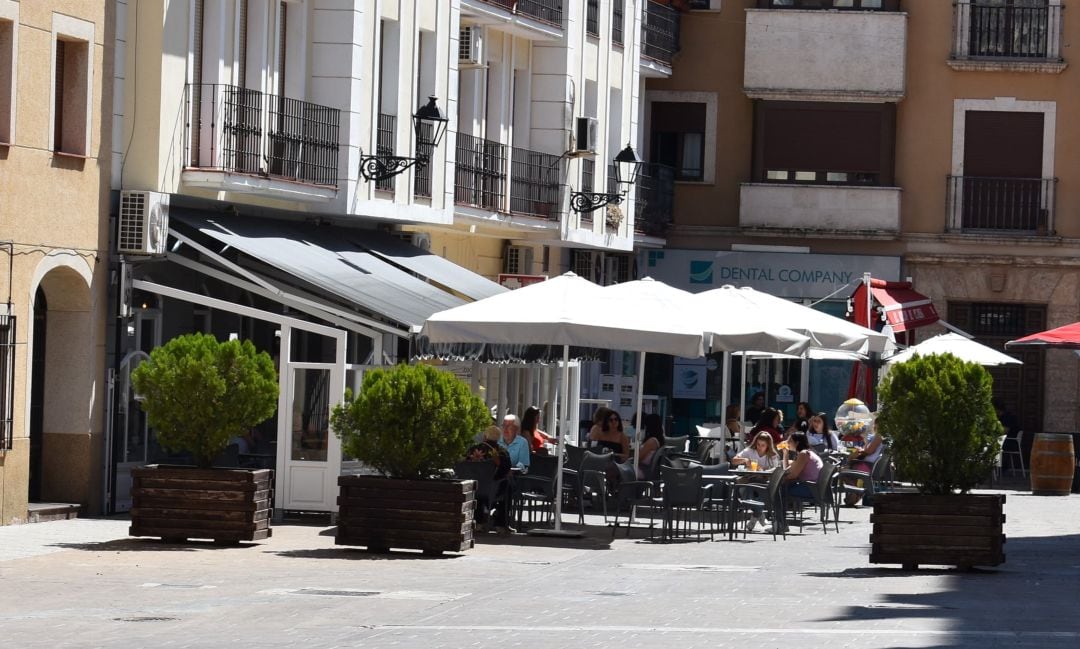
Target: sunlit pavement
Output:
[{"x": 85, "y": 583}]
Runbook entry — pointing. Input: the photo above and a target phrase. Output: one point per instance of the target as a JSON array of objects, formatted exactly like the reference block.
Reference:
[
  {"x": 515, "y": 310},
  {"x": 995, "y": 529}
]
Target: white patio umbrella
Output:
[
  {"x": 828, "y": 333},
  {"x": 655, "y": 305},
  {"x": 957, "y": 345},
  {"x": 566, "y": 310}
]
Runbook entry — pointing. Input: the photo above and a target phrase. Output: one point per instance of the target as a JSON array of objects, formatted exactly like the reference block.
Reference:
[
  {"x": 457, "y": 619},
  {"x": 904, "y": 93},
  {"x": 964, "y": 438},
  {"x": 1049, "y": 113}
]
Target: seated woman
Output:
[
  {"x": 769, "y": 422},
  {"x": 819, "y": 435},
  {"x": 530, "y": 430},
  {"x": 734, "y": 429},
  {"x": 864, "y": 460},
  {"x": 805, "y": 468},
  {"x": 803, "y": 413},
  {"x": 653, "y": 426},
  {"x": 762, "y": 451},
  {"x": 607, "y": 432}
]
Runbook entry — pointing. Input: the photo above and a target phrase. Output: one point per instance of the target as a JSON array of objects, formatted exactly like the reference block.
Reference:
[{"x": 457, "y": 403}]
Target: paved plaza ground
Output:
[{"x": 84, "y": 583}]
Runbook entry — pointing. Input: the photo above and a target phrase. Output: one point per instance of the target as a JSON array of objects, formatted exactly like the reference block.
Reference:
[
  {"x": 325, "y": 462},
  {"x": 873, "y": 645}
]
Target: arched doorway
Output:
[{"x": 65, "y": 361}]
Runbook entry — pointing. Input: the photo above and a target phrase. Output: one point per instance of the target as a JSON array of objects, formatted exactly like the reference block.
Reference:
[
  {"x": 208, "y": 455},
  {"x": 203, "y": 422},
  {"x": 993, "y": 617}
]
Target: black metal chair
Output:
[
  {"x": 865, "y": 484},
  {"x": 593, "y": 483},
  {"x": 633, "y": 493},
  {"x": 683, "y": 495},
  {"x": 747, "y": 498},
  {"x": 822, "y": 497},
  {"x": 489, "y": 491},
  {"x": 537, "y": 488}
]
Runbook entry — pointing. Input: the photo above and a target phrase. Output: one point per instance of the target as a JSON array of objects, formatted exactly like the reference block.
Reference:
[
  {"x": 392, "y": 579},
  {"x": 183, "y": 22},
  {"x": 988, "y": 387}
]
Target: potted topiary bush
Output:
[
  {"x": 937, "y": 416},
  {"x": 198, "y": 394},
  {"x": 409, "y": 423}
]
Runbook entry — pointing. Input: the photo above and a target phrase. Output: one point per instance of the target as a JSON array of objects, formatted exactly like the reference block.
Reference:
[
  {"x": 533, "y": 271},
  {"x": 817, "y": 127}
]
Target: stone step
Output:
[{"x": 43, "y": 512}]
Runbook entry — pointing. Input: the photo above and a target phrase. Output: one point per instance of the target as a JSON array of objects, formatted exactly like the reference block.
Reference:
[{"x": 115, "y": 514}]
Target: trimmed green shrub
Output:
[
  {"x": 409, "y": 421},
  {"x": 199, "y": 393},
  {"x": 937, "y": 415}
]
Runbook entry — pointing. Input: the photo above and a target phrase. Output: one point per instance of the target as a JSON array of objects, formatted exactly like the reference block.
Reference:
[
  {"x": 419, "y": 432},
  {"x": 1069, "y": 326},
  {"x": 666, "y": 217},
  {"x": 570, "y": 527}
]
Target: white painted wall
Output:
[
  {"x": 821, "y": 55},
  {"x": 819, "y": 207}
]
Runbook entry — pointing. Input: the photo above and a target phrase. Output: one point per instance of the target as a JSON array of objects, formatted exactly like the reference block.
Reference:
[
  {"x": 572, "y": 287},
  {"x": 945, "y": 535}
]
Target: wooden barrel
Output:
[{"x": 1052, "y": 464}]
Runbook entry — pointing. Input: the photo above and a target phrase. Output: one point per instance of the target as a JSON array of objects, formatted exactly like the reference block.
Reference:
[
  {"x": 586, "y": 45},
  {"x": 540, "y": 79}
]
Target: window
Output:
[
  {"x": 592, "y": 17},
  {"x": 617, "y": 9},
  {"x": 1009, "y": 28},
  {"x": 7, "y": 79},
  {"x": 72, "y": 84},
  {"x": 823, "y": 143},
  {"x": 705, "y": 4},
  {"x": 678, "y": 138}
]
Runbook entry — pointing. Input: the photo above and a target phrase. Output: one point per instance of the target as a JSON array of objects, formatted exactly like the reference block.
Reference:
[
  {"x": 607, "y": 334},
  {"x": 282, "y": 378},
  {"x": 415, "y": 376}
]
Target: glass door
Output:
[{"x": 308, "y": 449}]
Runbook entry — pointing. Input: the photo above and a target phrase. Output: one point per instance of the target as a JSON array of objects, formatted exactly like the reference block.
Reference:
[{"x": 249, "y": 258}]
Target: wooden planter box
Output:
[
  {"x": 379, "y": 513},
  {"x": 178, "y": 503},
  {"x": 958, "y": 530}
]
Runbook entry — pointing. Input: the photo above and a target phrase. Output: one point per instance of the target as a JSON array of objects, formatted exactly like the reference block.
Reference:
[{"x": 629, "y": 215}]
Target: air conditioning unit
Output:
[
  {"x": 519, "y": 260},
  {"x": 143, "y": 224},
  {"x": 469, "y": 40},
  {"x": 585, "y": 134},
  {"x": 421, "y": 240}
]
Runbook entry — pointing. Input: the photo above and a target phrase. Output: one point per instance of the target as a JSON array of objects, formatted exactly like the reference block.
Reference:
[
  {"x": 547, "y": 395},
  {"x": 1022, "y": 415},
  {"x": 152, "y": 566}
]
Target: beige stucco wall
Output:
[{"x": 55, "y": 210}]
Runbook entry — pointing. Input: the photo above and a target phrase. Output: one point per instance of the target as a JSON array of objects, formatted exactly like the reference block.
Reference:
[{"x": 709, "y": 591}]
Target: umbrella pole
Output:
[
  {"x": 742, "y": 402},
  {"x": 637, "y": 424},
  {"x": 564, "y": 426},
  {"x": 725, "y": 394}
]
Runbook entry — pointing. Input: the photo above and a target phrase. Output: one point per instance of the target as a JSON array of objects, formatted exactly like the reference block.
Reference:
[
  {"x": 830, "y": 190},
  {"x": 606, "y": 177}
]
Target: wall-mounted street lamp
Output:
[
  {"x": 382, "y": 167},
  {"x": 627, "y": 165}
]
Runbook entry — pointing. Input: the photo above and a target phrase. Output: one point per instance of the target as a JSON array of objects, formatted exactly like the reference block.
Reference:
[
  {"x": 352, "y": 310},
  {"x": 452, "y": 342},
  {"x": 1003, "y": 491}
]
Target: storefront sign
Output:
[
  {"x": 784, "y": 274},
  {"x": 515, "y": 280}
]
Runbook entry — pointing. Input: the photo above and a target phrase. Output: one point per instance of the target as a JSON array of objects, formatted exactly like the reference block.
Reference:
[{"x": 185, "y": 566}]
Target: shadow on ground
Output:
[{"x": 1040, "y": 580}]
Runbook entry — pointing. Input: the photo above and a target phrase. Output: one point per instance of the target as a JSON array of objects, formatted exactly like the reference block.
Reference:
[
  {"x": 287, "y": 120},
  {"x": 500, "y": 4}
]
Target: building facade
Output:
[
  {"x": 912, "y": 139},
  {"x": 55, "y": 130}
]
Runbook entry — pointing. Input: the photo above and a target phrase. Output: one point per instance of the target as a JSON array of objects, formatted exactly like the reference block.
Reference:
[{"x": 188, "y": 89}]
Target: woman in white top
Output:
[
  {"x": 761, "y": 451},
  {"x": 818, "y": 434}
]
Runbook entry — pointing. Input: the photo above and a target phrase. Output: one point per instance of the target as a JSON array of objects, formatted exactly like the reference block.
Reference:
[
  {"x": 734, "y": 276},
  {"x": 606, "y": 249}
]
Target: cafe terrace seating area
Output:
[{"x": 689, "y": 493}]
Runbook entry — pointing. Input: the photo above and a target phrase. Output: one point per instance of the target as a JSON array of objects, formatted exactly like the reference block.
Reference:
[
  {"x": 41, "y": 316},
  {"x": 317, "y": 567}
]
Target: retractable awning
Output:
[
  {"x": 904, "y": 308},
  {"x": 369, "y": 269}
]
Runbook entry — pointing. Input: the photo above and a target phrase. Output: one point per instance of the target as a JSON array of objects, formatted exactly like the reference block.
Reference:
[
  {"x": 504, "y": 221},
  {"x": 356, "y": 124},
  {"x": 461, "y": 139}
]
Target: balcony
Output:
[
  {"x": 1015, "y": 38},
  {"x": 385, "y": 133},
  {"x": 533, "y": 19},
  {"x": 654, "y": 207},
  {"x": 535, "y": 189},
  {"x": 481, "y": 180},
  {"x": 827, "y": 208},
  {"x": 242, "y": 140},
  {"x": 659, "y": 38},
  {"x": 840, "y": 5},
  {"x": 856, "y": 55},
  {"x": 1001, "y": 205},
  {"x": 480, "y": 174}
]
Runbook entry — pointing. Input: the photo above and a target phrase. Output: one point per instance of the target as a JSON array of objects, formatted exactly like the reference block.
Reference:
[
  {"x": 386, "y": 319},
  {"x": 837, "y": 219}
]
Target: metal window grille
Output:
[
  {"x": 1009, "y": 30},
  {"x": 1006, "y": 320},
  {"x": 1013, "y": 204},
  {"x": 617, "y": 9},
  {"x": 659, "y": 32},
  {"x": 592, "y": 17},
  {"x": 7, "y": 380},
  {"x": 384, "y": 145},
  {"x": 480, "y": 172},
  {"x": 655, "y": 199},
  {"x": 588, "y": 171},
  {"x": 548, "y": 11},
  {"x": 422, "y": 174},
  {"x": 534, "y": 183},
  {"x": 245, "y": 131}
]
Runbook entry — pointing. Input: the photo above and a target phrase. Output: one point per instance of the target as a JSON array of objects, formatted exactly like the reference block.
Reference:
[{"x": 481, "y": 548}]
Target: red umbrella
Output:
[{"x": 1067, "y": 337}]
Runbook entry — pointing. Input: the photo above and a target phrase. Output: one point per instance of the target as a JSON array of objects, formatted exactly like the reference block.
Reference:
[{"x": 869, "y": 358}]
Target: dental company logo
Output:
[{"x": 701, "y": 272}]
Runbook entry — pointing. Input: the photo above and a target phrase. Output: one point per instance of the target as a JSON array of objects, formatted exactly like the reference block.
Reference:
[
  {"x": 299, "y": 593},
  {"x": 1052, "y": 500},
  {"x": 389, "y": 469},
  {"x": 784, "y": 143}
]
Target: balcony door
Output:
[
  {"x": 310, "y": 461},
  {"x": 1003, "y": 160}
]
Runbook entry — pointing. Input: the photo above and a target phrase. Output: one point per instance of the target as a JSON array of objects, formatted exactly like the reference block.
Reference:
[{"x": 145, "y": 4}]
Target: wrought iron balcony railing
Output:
[
  {"x": 659, "y": 32},
  {"x": 422, "y": 173},
  {"x": 1001, "y": 204},
  {"x": 535, "y": 188},
  {"x": 245, "y": 131},
  {"x": 1025, "y": 32},
  {"x": 480, "y": 174},
  {"x": 384, "y": 145},
  {"x": 655, "y": 199},
  {"x": 547, "y": 11}
]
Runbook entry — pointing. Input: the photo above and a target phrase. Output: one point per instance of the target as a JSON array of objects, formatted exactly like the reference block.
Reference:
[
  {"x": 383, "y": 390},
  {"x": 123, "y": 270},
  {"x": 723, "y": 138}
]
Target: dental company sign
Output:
[{"x": 784, "y": 274}]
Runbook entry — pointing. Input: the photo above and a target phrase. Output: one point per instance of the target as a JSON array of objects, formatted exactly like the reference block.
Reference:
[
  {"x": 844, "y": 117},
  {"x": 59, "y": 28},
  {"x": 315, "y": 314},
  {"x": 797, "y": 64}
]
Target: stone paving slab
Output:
[{"x": 84, "y": 583}]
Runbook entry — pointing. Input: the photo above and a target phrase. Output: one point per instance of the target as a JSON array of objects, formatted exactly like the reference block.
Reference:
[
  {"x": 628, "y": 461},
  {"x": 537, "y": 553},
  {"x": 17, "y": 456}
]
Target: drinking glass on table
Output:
[{"x": 753, "y": 465}]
